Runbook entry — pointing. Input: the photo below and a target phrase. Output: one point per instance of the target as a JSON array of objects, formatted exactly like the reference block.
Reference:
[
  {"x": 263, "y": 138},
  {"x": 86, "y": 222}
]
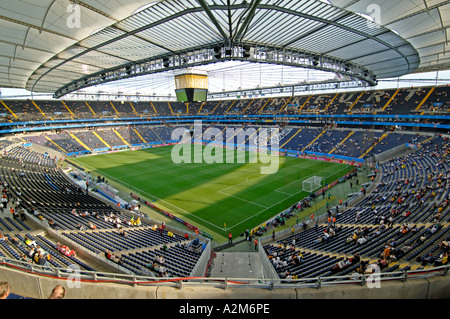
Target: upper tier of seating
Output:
[
  {"x": 391, "y": 101},
  {"x": 85, "y": 140},
  {"x": 335, "y": 141}
]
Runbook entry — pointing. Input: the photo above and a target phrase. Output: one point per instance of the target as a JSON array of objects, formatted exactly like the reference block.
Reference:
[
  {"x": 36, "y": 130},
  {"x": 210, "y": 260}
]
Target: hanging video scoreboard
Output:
[{"x": 191, "y": 87}]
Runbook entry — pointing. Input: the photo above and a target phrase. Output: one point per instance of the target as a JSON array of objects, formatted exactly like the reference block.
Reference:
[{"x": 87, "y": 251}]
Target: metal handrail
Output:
[{"x": 224, "y": 283}]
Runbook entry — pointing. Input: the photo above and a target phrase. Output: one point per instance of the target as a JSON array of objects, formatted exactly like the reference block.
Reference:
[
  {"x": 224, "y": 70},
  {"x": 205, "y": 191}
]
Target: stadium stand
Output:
[
  {"x": 381, "y": 229},
  {"x": 340, "y": 92},
  {"x": 401, "y": 221},
  {"x": 44, "y": 192},
  {"x": 426, "y": 100},
  {"x": 411, "y": 188}
]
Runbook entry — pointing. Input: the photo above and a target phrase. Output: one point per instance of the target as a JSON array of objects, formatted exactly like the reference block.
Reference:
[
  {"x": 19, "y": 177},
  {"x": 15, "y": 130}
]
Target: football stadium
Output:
[{"x": 224, "y": 149}]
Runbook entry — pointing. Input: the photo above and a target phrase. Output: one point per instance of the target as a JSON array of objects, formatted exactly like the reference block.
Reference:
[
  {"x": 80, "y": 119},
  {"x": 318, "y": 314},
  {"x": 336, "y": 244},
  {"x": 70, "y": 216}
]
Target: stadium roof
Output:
[{"x": 48, "y": 44}]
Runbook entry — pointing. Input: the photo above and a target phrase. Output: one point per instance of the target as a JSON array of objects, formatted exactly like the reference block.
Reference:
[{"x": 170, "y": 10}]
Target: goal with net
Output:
[{"x": 311, "y": 184}]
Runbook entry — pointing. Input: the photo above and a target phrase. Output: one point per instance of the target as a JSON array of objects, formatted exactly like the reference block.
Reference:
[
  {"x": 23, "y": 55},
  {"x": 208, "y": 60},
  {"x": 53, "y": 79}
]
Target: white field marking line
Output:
[
  {"x": 248, "y": 201},
  {"x": 246, "y": 181},
  {"x": 261, "y": 211},
  {"x": 265, "y": 209},
  {"x": 151, "y": 170},
  {"x": 213, "y": 167},
  {"x": 334, "y": 173},
  {"x": 305, "y": 178},
  {"x": 144, "y": 192},
  {"x": 168, "y": 168},
  {"x": 278, "y": 189},
  {"x": 178, "y": 208},
  {"x": 284, "y": 192},
  {"x": 291, "y": 193}
]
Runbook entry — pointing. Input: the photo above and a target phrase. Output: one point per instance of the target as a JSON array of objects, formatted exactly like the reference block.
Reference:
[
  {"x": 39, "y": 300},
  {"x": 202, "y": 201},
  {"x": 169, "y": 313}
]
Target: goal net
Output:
[{"x": 311, "y": 184}]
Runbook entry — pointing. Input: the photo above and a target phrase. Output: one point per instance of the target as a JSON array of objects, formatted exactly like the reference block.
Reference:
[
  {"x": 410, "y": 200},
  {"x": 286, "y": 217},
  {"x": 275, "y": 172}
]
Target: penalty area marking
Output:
[
  {"x": 222, "y": 191},
  {"x": 287, "y": 185},
  {"x": 248, "y": 201},
  {"x": 272, "y": 205}
]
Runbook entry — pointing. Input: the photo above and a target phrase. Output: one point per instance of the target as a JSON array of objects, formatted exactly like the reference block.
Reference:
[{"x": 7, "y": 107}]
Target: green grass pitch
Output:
[{"x": 217, "y": 197}]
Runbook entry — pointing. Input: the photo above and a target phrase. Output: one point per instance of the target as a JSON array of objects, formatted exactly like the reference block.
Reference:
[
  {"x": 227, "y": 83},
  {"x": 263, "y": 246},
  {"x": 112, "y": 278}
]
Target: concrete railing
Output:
[
  {"x": 268, "y": 269},
  {"x": 34, "y": 281},
  {"x": 202, "y": 263}
]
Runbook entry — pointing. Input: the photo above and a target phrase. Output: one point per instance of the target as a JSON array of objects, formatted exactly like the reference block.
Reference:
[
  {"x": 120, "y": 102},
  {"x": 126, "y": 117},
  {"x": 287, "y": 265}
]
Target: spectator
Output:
[
  {"x": 25, "y": 258},
  {"x": 31, "y": 252},
  {"x": 123, "y": 233},
  {"x": 362, "y": 267},
  {"x": 161, "y": 259},
  {"x": 326, "y": 236},
  {"x": 349, "y": 239},
  {"x": 405, "y": 248},
  {"x": 29, "y": 242},
  {"x": 341, "y": 265},
  {"x": 390, "y": 221},
  {"x": 432, "y": 230},
  {"x": 70, "y": 253},
  {"x": 59, "y": 292},
  {"x": 357, "y": 216},
  {"x": 4, "y": 290},
  {"x": 39, "y": 259},
  {"x": 361, "y": 240},
  {"x": 429, "y": 258},
  {"x": 382, "y": 263},
  {"x": 441, "y": 260},
  {"x": 51, "y": 223},
  {"x": 355, "y": 259},
  {"x": 444, "y": 245},
  {"x": 22, "y": 214},
  {"x": 15, "y": 241}
]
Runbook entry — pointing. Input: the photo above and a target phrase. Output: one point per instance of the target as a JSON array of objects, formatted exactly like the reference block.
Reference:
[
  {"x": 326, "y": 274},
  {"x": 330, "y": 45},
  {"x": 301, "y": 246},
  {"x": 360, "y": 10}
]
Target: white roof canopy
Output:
[{"x": 47, "y": 44}]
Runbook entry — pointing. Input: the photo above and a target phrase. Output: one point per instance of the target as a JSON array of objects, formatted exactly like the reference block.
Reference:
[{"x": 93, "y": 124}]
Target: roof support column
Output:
[{"x": 213, "y": 20}]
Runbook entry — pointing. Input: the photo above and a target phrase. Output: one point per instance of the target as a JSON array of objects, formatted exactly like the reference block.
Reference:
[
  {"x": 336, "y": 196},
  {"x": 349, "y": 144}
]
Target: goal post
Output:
[{"x": 311, "y": 184}]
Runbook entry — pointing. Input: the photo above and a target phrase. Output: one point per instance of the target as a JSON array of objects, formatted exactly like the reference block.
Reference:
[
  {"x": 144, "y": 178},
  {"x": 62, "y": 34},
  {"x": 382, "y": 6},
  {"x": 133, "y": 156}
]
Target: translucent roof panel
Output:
[
  {"x": 423, "y": 24},
  {"x": 48, "y": 44}
]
